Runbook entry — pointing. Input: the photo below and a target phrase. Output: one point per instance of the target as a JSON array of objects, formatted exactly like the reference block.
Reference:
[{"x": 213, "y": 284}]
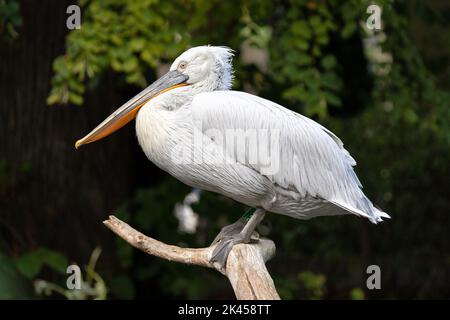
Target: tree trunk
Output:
[{"x": 51, "y": 192}]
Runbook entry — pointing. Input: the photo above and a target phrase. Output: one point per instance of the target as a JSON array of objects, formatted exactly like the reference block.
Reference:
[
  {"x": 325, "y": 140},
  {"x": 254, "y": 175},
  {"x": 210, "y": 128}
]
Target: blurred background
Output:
[{"x": 385, "y": 93}]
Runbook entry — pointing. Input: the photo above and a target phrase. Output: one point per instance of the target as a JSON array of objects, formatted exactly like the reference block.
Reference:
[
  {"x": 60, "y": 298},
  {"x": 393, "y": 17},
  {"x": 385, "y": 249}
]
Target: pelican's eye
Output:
[{"x": 182, "y": 66}]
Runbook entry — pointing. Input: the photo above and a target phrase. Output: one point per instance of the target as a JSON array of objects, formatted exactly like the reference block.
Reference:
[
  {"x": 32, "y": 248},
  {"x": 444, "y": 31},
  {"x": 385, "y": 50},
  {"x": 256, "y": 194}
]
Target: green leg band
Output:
[{"x": 248, "y": 214}]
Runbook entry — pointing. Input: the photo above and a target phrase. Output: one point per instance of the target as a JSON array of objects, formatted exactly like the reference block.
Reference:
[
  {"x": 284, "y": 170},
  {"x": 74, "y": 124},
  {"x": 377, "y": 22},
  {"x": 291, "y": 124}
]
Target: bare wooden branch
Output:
[{"x": 245, "y": 269}]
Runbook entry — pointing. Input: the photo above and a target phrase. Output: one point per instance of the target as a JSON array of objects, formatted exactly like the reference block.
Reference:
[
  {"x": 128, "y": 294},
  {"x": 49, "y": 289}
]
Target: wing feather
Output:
[{"x": 311, "y": 160}]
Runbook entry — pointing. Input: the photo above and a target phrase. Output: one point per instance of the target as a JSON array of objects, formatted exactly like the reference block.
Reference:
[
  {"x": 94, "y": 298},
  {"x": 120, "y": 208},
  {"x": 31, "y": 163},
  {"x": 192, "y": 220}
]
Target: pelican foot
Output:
[
  {"x": 229, "y": 238},
  {"x": 220, "y": 254},
  {"x": 242, "y": 231},
  {"x": 230, "y": 230}
]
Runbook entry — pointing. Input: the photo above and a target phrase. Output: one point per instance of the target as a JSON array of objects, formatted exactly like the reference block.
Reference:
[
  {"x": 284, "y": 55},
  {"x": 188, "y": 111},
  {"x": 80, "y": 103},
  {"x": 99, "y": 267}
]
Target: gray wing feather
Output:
[{"x": 312, "y": 160}]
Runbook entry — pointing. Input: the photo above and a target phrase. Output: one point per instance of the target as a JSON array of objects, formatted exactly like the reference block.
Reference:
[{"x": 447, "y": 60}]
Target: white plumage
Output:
[
  {"x": 184, "y": 131},
  {"x": 250, "y": 149}
]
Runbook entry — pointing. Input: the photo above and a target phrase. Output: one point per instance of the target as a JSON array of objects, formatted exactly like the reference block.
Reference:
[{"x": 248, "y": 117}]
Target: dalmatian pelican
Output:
[{"x": 192, "y": 125}]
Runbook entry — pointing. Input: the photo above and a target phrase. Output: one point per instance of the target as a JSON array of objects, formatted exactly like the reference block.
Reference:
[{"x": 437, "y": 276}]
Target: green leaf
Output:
[
  {"x": 54, "y": 260},
  {"x": 75, "y": 98},
  {"x": 348, "y": 30},
  {"x": 301, "y": 29},
  {"x": 411, "y": 116},
  {"x": 12, "y": 284},
  {"x": 130, "y": 64},
  {"x": 53, "y": 98},
  {"x": 332, "y": 99},
  {"x": 331, "y": 81},
  {"x": 29, "y": 264},
  {"x": 357, "y": 294},
  {"x": 137, "y": 44},
  {"x": 313, "y": 282},
  {"x": 328, "y": 62}
]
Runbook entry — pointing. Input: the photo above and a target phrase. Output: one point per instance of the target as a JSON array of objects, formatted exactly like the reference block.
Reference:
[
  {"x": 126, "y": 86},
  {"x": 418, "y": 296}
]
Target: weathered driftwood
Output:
[{"x": 245, "y": 269}]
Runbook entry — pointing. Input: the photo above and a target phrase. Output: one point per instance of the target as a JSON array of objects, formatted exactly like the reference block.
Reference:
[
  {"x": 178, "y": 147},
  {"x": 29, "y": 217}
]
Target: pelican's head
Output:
[
  {"x": 204, "y": 68},
  {"x": 208, "y": 68}
]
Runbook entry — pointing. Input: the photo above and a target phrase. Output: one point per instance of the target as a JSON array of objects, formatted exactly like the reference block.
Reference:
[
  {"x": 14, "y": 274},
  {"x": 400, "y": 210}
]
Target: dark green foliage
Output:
[
  {"x": 10, "y": 19},
  {"x": 30, "y": 264},
  {"x": 12, "y": 284}
]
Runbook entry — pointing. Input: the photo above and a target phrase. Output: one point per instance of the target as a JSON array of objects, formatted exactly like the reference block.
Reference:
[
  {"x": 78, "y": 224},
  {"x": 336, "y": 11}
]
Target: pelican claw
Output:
[
  {"x": 230, "y": 230},
  {"x": 223, "y": 248},
  {"x": 228, "y": 237}
]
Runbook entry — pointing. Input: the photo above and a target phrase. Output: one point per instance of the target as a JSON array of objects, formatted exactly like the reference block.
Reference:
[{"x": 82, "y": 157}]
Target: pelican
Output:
[{"x": 193, "y": 126}]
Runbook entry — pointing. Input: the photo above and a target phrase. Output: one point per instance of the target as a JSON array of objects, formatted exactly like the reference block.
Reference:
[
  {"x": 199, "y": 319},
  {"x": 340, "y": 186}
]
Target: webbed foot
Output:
[
  {"x": 230, "y": 230},
  {"x": 228, "y": 237},
  {"x": 242, "y": 231}
]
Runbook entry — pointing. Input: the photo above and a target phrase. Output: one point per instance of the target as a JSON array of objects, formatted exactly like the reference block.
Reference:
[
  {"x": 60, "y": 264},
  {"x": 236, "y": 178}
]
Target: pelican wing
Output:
[{"x": 294, "y": 152}]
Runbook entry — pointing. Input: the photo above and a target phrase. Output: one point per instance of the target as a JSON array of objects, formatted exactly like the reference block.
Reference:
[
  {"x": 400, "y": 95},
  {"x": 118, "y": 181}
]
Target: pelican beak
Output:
[{"x": 127, "y": 112}]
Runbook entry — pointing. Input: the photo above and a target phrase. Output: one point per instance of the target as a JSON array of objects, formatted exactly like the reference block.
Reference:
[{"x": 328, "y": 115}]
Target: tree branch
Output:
[{"x": 245, "y": 269}]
